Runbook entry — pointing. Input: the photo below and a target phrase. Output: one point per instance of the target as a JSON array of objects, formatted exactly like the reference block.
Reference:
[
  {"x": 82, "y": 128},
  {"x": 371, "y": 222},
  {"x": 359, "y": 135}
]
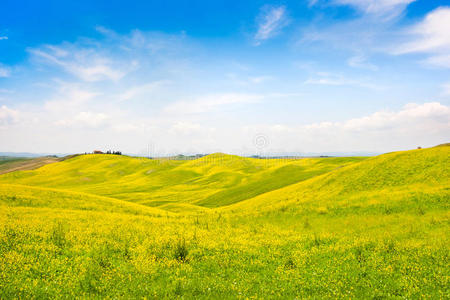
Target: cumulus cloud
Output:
[
  {"x": 411, "y": 126},
  {"x": 427, "y": 116},
  {"x": 3, "y": 38},
  {"x": 411, "y": 114},
  {"x": 414, "y": 125},
  {"x": 270, "y": 22}
]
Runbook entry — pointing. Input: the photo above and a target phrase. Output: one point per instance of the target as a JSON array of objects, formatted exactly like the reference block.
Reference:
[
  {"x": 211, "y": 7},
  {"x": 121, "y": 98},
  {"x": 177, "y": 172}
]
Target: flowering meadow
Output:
[{"x": 104, "y": 226}]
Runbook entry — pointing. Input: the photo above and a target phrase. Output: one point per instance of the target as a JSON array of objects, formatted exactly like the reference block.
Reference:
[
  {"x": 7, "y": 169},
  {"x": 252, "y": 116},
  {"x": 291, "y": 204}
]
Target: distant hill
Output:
[
  {"x": 210, "y": 181},
  {"x": 30, "y": 154},
  {"x": 444, "y": 145}
]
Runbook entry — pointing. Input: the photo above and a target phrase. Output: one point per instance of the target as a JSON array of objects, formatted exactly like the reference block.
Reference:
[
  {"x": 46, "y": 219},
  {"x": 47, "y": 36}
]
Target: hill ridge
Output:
[{"x": 438, "y": 170}]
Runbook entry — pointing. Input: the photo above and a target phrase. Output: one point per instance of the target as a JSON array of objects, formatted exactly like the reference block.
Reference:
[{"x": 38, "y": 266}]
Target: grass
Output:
[{"x": 343, "y": 228}]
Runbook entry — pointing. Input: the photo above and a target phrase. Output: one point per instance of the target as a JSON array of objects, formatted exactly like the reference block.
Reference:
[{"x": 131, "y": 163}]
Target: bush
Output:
[
  {"x": 181, "y": 251},
  {"x": 58, "y": 235}
]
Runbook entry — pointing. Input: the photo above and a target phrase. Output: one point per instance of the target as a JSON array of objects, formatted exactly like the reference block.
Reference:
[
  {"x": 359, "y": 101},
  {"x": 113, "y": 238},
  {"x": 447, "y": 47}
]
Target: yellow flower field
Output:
[{"x": 105, "y": 226}]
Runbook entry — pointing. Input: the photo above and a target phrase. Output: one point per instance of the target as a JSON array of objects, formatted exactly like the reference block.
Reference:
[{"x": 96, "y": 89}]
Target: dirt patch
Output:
[{"x": 29, "y": 164}]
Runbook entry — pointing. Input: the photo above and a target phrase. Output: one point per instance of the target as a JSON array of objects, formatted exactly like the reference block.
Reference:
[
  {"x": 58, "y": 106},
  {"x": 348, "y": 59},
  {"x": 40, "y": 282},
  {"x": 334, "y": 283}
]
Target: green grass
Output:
[{"x": 365, "y": 228}]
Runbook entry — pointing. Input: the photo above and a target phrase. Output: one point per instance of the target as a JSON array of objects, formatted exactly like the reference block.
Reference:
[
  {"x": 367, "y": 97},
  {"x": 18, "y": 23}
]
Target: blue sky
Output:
[{"x": 207, "y": 76}]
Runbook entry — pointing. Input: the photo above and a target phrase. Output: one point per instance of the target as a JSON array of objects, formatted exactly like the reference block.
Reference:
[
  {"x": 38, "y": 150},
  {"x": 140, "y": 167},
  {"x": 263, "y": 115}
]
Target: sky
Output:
[{"x": 242, "y": 77}]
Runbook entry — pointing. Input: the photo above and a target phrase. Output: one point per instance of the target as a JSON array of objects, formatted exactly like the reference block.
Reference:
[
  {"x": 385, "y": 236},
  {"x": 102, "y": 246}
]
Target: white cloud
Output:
[
  {"x": 144, "y": 89},
  {"x": 411, "y": 115},
  {"x": 442, "y": 61},
  {"x": 106, "y": 31},
  {"x": 385, "y": 8},
  {"x": 87, "y": 64},
  {"x": 325, "y": 78},
  {"x": 270, "y": 22},
  {"x": 430, "y": 36},
  {"x": 3, "y": 38},
  {"x": 210, "y": 102},
  {"x": 414, "y": 125},
  {"x": 363, "y": 37},
  {"x": 259, "y": 79},
  {"x": 413, "y": 119},
  {"x": 99, "y": 71},
  {"x": 69, "y": 97},
  {"x": 8, "y": 116},
  {"x": 360, "y": 61},
  {"x": 114, "y": 57},
  {"x": 411, "y": 126}
]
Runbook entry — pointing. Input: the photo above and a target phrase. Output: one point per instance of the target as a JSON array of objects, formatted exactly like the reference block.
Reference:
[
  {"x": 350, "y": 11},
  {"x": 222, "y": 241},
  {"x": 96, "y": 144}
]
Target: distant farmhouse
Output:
[{"x": 107, "y": 152}]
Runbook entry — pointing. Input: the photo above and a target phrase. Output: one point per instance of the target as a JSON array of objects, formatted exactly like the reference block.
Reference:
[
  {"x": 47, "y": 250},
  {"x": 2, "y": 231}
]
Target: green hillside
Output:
[
  {"x": 227, "y": 227},
  {"x": 409, "y": 175},
  {"x": 211, "y": 181}
]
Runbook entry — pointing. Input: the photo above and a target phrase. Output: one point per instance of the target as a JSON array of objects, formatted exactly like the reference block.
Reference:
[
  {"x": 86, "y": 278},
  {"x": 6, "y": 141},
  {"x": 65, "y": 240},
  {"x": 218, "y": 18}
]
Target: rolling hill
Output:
[
  {"x": 409, "y": 175},
  {"x": 211, "y": 181},
  {"x": 228, "y": 227}
]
